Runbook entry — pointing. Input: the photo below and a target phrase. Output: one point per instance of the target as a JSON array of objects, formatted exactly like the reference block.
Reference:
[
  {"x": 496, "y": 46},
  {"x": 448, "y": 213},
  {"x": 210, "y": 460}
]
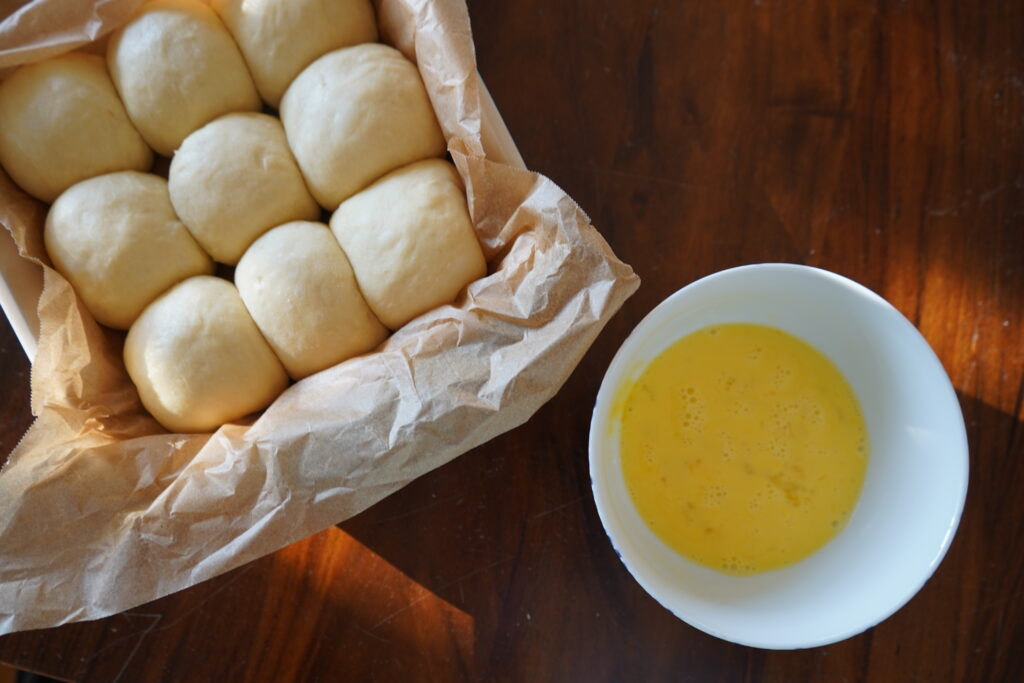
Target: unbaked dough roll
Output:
[
  {"x": 299, "y": 288},
  {"x": 61, "y": 122},
  {"x": 234, "y": 179},
  {"x": 177, "y": 68},
  {"x": 279, "y": 38},
  {"x": 119, "y": 243},
  {"x": 198, "y": 359},
  {"x": 410, "y": 241},
  {"x": 355, "y": 114}
]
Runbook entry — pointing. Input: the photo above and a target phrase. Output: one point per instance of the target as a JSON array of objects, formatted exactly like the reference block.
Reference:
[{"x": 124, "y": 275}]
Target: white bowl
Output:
[{"x": 913, "y": 492}]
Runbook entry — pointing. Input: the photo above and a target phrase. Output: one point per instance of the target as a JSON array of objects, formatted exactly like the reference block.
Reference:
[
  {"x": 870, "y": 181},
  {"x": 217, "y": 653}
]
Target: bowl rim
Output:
[{"x": 616, "y": 373}]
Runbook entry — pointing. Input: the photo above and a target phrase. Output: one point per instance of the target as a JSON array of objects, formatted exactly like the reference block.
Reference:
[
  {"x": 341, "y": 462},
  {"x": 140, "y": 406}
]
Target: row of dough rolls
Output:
[
  {"x": 176, "y": 66},
  {"x": 183, "y": 79}
]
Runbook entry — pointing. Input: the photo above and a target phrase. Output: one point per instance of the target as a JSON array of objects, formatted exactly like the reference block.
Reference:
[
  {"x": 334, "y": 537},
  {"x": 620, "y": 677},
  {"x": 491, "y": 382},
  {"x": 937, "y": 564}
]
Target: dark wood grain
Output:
[{"x": 881, "y": 140}]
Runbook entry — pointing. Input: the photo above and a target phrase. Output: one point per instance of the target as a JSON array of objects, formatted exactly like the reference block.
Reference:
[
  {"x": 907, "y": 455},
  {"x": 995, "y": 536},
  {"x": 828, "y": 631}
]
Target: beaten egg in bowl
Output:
[
  {"x": 810, "y": 507},
  {"x": 743, "y": 447}
]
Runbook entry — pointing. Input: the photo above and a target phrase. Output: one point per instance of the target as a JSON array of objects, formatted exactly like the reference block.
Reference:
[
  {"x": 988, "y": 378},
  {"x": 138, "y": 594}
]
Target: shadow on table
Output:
[
  {"x": 27, "y": 677},
  {"x": 326, "y": 608}
]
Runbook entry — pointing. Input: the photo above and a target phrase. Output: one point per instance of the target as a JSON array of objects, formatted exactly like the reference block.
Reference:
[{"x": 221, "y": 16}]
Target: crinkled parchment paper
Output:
[{"x": 102, "y": 510}]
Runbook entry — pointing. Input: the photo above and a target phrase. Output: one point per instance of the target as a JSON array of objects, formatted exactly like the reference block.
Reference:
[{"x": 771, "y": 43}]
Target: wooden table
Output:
[{"x": 881, "y": 140}]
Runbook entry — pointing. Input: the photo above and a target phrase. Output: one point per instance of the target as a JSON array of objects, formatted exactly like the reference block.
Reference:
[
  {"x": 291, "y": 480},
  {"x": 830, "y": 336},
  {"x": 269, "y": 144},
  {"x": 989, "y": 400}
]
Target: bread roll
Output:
[
  {"x": 354, "y": 115},
  {"x": 279, "y": 38},
  {"x": 234, "y": 179},
  {"x": 300, "y": 290},
  {"x": 410, "y": 241},
  {"x": 177, "y": 68},
  {"x": 61, "y": 122},
  {"x": 198, "y": 359},
  {"x": 120, "y": 245}
]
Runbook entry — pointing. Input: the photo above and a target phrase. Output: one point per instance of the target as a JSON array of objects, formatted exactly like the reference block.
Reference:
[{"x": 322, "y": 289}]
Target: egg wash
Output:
[{"x": 742, "y": 447}]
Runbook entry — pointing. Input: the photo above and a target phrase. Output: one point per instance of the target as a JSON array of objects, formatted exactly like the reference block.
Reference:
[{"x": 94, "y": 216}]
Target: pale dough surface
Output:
[
  {"x": 299, "y": 288},
  {"x": 279, "y": 38},
  {"x": 176, "y": 68},
  {"x": 410, "y": 241},
  {"x": 354, "y": 115},
  {"x": 61, "y": 122},
  {"x": 234, "y": 179},
  {"x": 198, "y": 359},
  {"x": 119, "y": 243}
]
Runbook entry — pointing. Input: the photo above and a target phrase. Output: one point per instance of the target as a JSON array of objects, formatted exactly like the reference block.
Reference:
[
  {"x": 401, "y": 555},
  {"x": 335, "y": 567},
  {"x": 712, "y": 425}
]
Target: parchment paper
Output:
[{"x": 102, "y": 510}]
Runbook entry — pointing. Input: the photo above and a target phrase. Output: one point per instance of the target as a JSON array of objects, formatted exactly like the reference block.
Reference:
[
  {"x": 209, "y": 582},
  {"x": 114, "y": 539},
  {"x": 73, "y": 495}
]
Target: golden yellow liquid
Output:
[{"x": 743, "y": 448}]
